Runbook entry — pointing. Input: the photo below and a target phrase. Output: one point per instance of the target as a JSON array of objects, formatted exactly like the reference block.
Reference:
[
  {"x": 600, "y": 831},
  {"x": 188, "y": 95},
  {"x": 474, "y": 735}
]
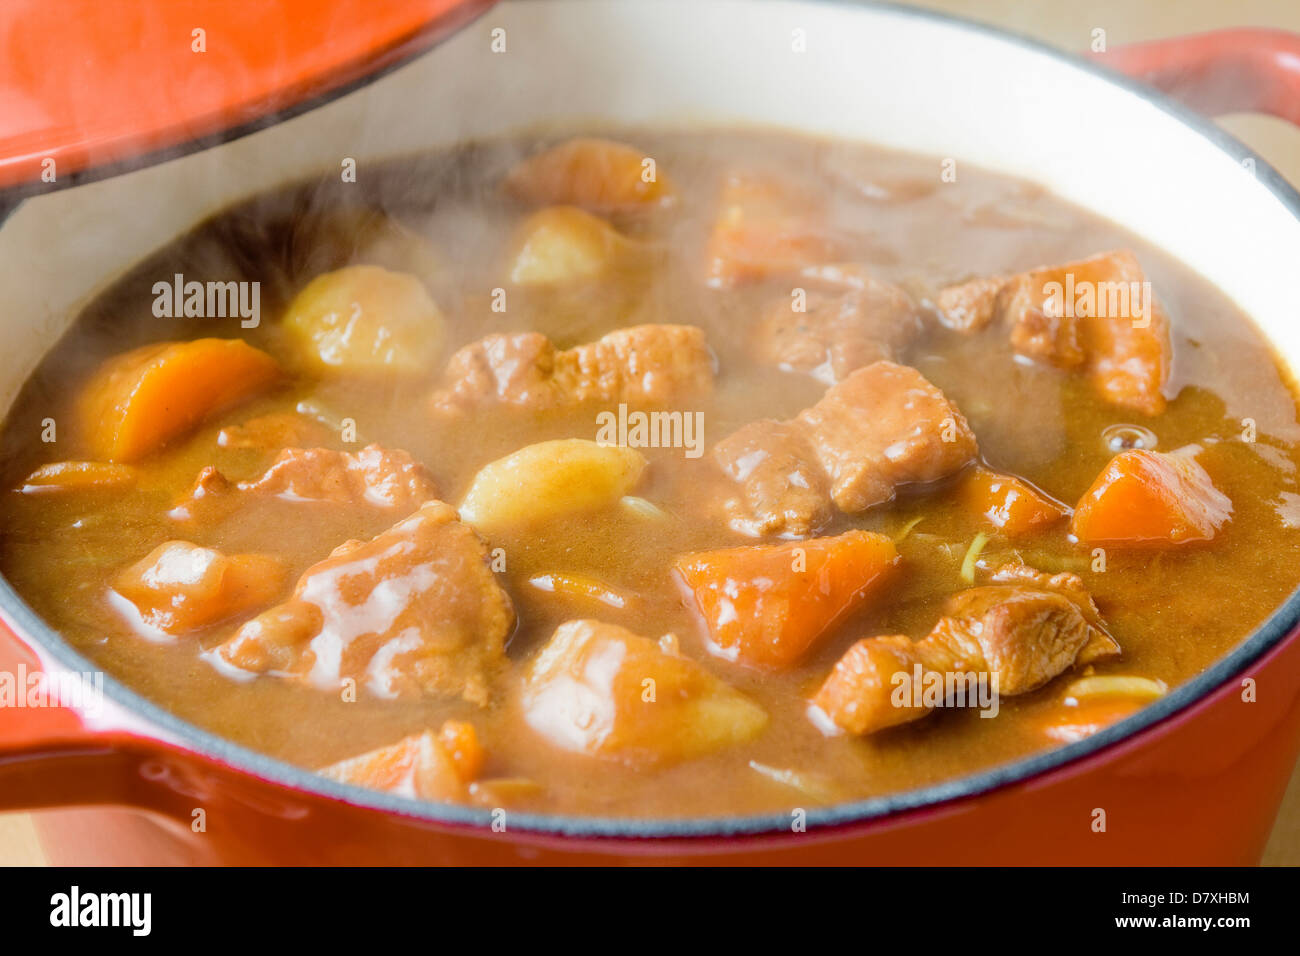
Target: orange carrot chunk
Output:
[
  {"x": 1150, "y": 499},
  {"x": 428, "y": 765},
  {"x": 140, "y": 400},
  {"x": 766, "y": 606},
  {"x": 1086, "y": 719},
  {"x": 764, "y": 228},
  {"x": 1010, "y": 504},
  {"x": 460, "y": 742},
  {"x": 60, "y": 476},
  {"x": 180, "y": 586}
]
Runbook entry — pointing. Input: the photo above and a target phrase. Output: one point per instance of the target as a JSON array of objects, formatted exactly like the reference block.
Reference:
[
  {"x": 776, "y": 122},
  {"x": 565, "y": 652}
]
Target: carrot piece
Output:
[
  {"x": 597, "y": 174},
  {"x": 140, "y": 400},
  {"x": 1150, "y": 499},
  {"x": 1009, "y": 503},
  {"x": 391, "y": 768},
  {"x": 767, "y": 605},
  {"x": 764, "y": 229},
  {"x": 460, "y": 740},
  {"x": 427, "y": 765},
  {"x": 1076, "y": 723},
  {"x": 180, "y": 586},
  {"x": 577, "y": 585},
  {"x": 77, "y": 476}
]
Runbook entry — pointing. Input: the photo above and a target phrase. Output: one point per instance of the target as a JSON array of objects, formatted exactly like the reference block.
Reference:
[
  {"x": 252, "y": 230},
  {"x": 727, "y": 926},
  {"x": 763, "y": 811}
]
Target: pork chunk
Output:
[
  {"x": 599, "y": 689},
  {"x": 882, "y": 427},
  {"x": 413, "y": 611},
  {"x": 1023, "y": 630},
  {"x": 838, "y": 335},
  {"x": 1096, "y": 315},
  {"x": 970, "y": 306},
  {"x": 656, "y": 365},
  {"x": 1024, "y": 635},
  {"x": 273, "y": 432},
  {"x": 780, "y": 490},
  {"x": 375, "y": 476}
]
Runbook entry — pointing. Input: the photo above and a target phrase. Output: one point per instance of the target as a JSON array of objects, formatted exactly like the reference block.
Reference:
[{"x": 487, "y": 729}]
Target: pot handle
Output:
[
  {"x": 1225, "y": 71},
  {"x": 49, "y": 757}
]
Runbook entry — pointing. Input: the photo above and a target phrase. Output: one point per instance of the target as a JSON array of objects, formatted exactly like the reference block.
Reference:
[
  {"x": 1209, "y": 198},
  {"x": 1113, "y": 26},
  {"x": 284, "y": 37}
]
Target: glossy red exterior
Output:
[{"x": 1165, "y": 800}]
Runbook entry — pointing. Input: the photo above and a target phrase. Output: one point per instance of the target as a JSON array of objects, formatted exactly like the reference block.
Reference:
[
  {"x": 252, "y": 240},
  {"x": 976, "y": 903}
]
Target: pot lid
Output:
[{"x": 89, "y": 88}]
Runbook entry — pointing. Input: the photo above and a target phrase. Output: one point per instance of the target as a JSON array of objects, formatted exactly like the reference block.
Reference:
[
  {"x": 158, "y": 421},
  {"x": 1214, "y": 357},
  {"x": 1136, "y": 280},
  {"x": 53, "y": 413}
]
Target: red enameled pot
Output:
[{"x": 156, "y": 134}]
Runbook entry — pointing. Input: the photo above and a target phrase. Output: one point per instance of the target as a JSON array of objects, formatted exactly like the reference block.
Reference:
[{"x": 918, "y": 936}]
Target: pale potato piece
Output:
[
  {"x": 563, "y": 243},
  {"x": 601, "y": 690},
  {"x": 367, "y": 320},
  {"x": 548, "y": 480}
]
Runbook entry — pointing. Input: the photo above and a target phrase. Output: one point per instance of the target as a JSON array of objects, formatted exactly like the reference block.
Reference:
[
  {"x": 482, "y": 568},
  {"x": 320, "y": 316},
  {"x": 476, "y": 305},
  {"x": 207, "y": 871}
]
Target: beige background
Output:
[{"x": 1068, "y": 24}]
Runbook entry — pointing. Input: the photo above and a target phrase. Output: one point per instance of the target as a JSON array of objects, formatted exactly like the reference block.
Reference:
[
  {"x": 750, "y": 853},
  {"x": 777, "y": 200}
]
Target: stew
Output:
[{"x": 672, "y": 474}]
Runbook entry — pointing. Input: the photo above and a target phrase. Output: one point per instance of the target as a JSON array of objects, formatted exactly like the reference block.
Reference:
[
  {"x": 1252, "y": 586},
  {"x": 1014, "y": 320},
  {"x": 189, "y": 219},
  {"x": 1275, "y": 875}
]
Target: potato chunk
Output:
[
  {"x": 181, "y": 587},
  {"x": 598, "y": 689},
  {"x": 548, "y": 480},
  {"x": 563, "y": 244},
  {"x": 142, "y": 399},
  {"x": 367, "y": 320},
  {"x": 596, "y": 174}
]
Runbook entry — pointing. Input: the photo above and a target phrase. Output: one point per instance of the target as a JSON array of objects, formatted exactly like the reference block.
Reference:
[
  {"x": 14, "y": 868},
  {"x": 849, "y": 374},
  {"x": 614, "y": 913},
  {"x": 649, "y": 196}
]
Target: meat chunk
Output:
[
  {"x": 764, "y": 227},
  {"x": 643, "y": 365},
  {"x": 180, "y": 587},
  {"x": 782, "y": 491},
  {"x": 862, "y": 693},
  {"x": 375, "y": 476},
  {"x": 210, "y": 493},
  {"x": 839, "y": 335},
  {"x": 413, "y": 611},
  {"x": 1015, "y": 634},
  {"x": 970, "y": 306},
  {"x": 597, "y": 174},
  {"x": 273, "y": 432},
  {"x": 601, "y": 690},
  {"x": 1151, "y": 499},
  {"x": 427, "y": 766},
  {"x": 1096, "y": 315},
  {"x": 882, "y": 427},
  {"x": 1023, "y": 635}
]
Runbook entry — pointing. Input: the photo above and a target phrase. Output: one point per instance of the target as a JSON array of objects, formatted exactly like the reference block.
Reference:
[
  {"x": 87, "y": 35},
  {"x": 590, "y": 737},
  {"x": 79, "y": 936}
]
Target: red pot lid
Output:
[{"x": 92, "y": 86}]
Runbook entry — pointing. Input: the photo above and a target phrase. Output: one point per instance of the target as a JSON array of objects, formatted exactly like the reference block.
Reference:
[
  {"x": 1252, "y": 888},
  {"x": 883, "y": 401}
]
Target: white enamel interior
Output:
[{"x": 869, "y": 74}]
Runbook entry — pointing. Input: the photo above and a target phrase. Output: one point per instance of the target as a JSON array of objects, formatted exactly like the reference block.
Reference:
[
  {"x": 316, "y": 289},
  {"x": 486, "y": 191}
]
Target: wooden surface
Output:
[{"x": 1068, "y": 24}]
